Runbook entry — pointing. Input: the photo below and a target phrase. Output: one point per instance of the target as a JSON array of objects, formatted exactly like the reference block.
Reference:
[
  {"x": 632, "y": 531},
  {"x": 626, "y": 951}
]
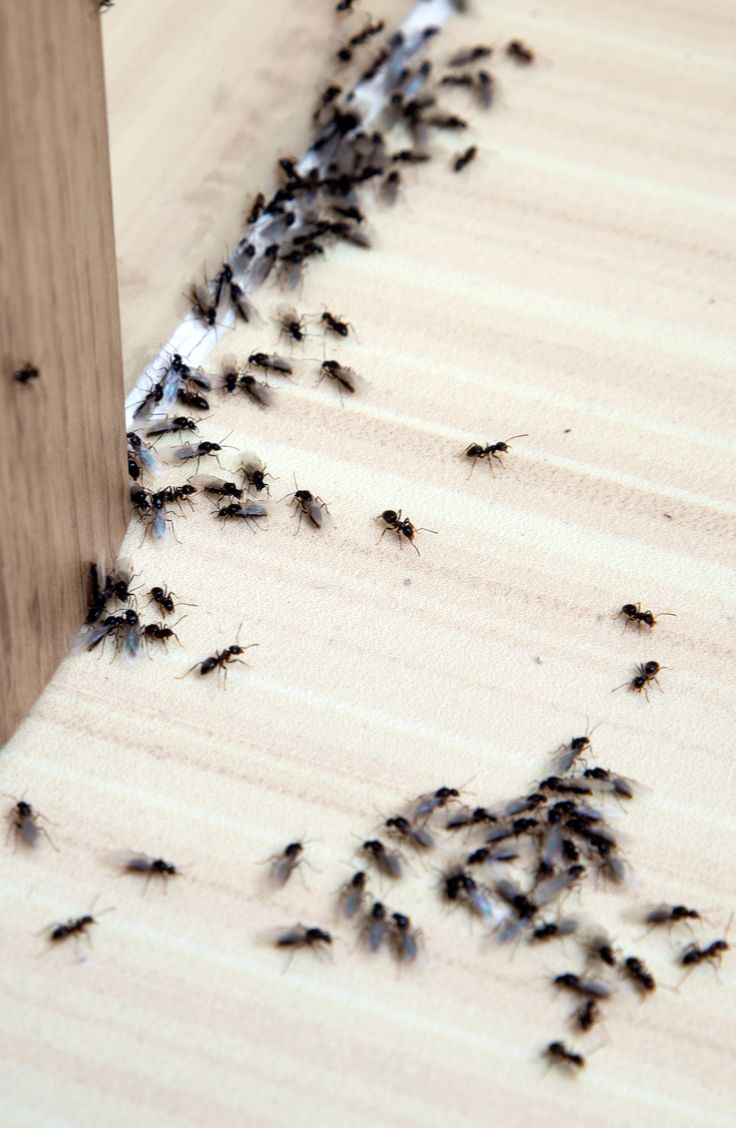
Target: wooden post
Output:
[{"x": 62, "y": 455}]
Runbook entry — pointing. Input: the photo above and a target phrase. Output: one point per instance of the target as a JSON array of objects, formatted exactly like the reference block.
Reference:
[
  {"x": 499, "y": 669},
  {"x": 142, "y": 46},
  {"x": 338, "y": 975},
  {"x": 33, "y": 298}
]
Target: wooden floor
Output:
[{"x": 576, "y": 284}]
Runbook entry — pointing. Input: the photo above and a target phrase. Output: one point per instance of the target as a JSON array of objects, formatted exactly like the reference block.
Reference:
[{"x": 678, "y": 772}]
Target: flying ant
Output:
[
  {"x": 221, "y": 659},
  {"x": 519, "y": 52},
  {"x": 291, "y": 323},
  {"x": 447, "y": 121},
  {"x": 470, "y": 55},
  {"x": 335, "y": 324},
  {"x": 308, "y": 505},
  {"x": 403, "y": 527},
  {"x": 75, "y": 926},
  {"x": 552, "y": 930},
  {"x": 202, "y": 450},
  {"x": 23, "y": 823},
  {"x": 589, "y": 988},
  {"x": 390, "y": 185},
  {"x": 465, "y": 819},
  {"x": 646, "y": 672},
  {"x": 557, "y": 1053},
  {"x": 403, "y": 938},
  {"x": 669, "y": 915},
  {"x": 202, "y": 305},
  {"x": 388, "y": 862},
  {"x": 315, "y": 939},
  {"x": 490, "y": 452},
  {"x": 586, "y": 1015},
  {"x": 457, "y": 885},
  {"x": 418, "y": 836},
  {"x": 426, "y": 805},
  {"x": 235, "y": 380},
  {"x": 567, "y": 754},
  {"x": 189, "y": 398},
  {"x": 345, "y": 379},
  {"x": 244, "y": 512},
  {"x": 599, "y": 948},
  {"x": 352, "y": 893},
  {"x": 633, "y": 613},
  {"x": 461, "y": 160},
  {"x": 255, "y": 473},
  {"x": 284, "y": 864},
  {"x": 606, "y": 780},
  {"x": 219, "y": 487},
  {"x": 148, "y": 867},
  {"x": 256, "y": 208},
  {"x": 271, "y": 363},
  {"x": 176, "y": 426},
  {"x": 27, "y": 373}
]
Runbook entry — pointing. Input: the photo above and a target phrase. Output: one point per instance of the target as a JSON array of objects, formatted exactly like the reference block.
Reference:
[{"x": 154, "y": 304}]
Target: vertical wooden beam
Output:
[{"x": 62, "y": 455}]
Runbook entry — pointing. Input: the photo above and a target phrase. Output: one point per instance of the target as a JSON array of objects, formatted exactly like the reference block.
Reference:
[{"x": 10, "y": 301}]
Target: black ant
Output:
[
  {"x": 589, "y": 988},
  {"x": 447, "y": 121},
  {"x": 75, "y": 926},
  {"x": 635, "y": 970},
  {"x": 646, "y": 672},
  {"x": 694, "y": 955},
  {"x": 633, "y": 613},
  {"x": 519, "y": 52},
  {"x": 552, "y": 930},
  {"x": 221, "y": 659},
  {"x": 301, "y": 937},
  {"x": 270, "y": 363},
  {"x": 284, "y": 864},
  {"x": 202, "y": 306},
  {"x": 418, "y": 836},
  {"x": 567, "y": 754},
  {"x": 310, "y": 506},
  {"x": 165, "y": 600},
  {"x": 353, "y": 893},
  {"x": 558, "y": 1054},
  {"x": 27, "y": 373},
  {"x": 255, "y": 473},
  {"x": 374, "y": 929},
  {"x": 23, "y": 820},
  {"x": 586, "y": 1015},
  {"x": 150, "y": 867},
  {"x": 335, "y": 324},
  {"x": 345, "y": 379},
  {"x": 460, "y": 160},
  {"x": 387, "y": 861},
  {"x": 291, "y": 323},
  {"x": 404, "y": 939},
  {"x": 159, "y": 632},
  {"x": 489, "y": 452},
  {"x": 470, "y": 55},
  {"x": 670, "y": 914},
  {"x": 402, "y": 526}
]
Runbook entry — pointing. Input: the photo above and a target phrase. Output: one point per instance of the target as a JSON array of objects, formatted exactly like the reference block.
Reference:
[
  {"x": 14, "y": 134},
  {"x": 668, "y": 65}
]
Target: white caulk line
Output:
[{"x": 191, "y": 339}]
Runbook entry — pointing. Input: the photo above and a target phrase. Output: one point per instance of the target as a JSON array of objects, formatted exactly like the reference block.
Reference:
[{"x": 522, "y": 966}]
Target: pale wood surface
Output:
[
  {"x": 579, "y": 277},
  {"x": 62, "y": 462}
]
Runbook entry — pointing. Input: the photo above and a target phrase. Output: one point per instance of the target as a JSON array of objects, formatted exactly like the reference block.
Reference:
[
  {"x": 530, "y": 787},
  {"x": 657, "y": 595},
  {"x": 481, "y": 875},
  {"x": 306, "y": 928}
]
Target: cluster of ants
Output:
[{"x": 520, "y": 860}]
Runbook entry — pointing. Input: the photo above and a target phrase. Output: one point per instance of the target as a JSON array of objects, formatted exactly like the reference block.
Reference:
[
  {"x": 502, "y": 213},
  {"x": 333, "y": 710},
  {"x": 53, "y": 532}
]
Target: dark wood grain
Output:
[{"x": 62, "y": 466}]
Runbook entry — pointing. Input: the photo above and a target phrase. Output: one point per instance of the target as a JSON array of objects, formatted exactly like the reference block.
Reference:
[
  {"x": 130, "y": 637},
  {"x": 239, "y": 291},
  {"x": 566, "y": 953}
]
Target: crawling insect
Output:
[
  {"x": 490, "y": 452},
  {"x": 142, "y": 864},
  {"x": 669, "y": 914},
  {"x": 519, "y": 52},
  {"x": 270, "y": 363},
  {"x": 418, "y": 836},
  {"x": 284, "y": 864},
  {"x": 714, "y": 952},
  {"x": 633, "y": 614},
  {"x": 402, "y": 526},
  {"x": 586, "y": 1015},
  {"x": 345, "y": 379},
  {"x": 308, "y": 505},
  {"x": 552, "y": 930},
  {"x": 461, "y": 160},
  {"x": 27, "y": 373},
  {"x": 388, "y": 862},
  {"x": 374, "y": 929},
  {"x": 24, "y": 825},
  {"x": 335, "y": 324},
  {"x": 646, "y": 673},
  {"x": 300, "y": 937},
  {"x": 589, "y": 988},
  {"x": 292, "y": 325},
  {"x": 352, "y": 894},
  {"x": 635, "y": 970},
  {"x": 403, "y": 938},
  {"x": 220, "y": 660},
  {"x": 557, "y": 1053},
  {"x": 160, "y": 632}
]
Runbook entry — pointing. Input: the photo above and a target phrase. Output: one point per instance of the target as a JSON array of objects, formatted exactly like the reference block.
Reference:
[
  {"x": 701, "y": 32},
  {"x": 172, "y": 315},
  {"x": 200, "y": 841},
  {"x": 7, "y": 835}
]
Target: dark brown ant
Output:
[
  {"x": 635, "y": 970},
  {"x": 557, "y": 1053},
  {"x": 552, "y": 930},
  {"x": 490, "y": 452},
  {"x": 160, "y": 632},
  {"x": 353, "y": 893},
  {"x": 519, "y": 52},
  {"x": 284, "y": 864},
  {"x": 193, "y": 399},
  {"x": 291, "y": 323},
  {"x": 646, "y": 672},
  {"x": 670, "y": 914},
  {"x": 457, "y": 885},
  {"x": 617, "y": 785},
  {"x": 24, "y": 825},
  {"x": 221, "y": 659},
  {"x": 403, "y": 938},
  {"x": 270, "y": 363},
  {"x": 470, "y": 818},
  {"x": 457, "y": 80},
  {"x": 149, "y": 867},
  {"x": 388, "y": 862},
  {"x": 202, "y": 305},
  {"x": 75, "y": 926},
  {"x": 470, "y": 55},
  {"x": 204, "y": 449},
  {"x": 590, "y": 988},
  {"x": 461, "y": 160},
  {"x": 27, "y": 373},
  {"x": 370, "y": 30},
  {"x": 345, "y": 379},
  {"x": 300, "y": 937},
  {"x": 447, "y": 121},
  {"x": 165, "y": 600},
  {"x": 586, "y": 1015},
  {"x": 567, "y": 754},
  {"x": 402, "y": 526},
  {"x": 308, "y": 505},
  {"x": 335, "y": 324},
  {"x": 410, "y": 156},
  {"x": 418, "y": 836},
  {"x": 633, "y": 613},
  {"x": 694, "y": 955}
]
